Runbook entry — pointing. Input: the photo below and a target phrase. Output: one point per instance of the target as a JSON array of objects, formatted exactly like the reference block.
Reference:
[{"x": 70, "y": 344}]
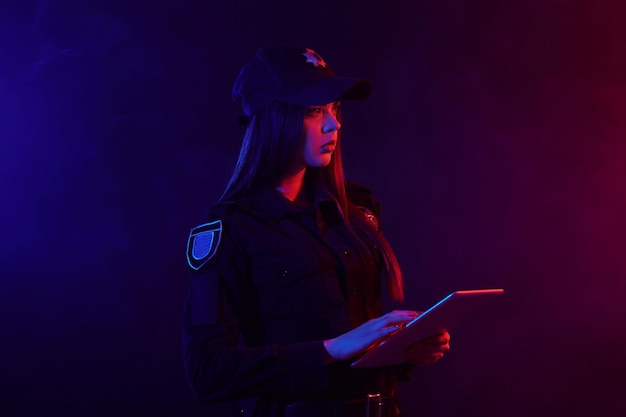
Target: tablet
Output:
[{"x": 444, "y": 315}]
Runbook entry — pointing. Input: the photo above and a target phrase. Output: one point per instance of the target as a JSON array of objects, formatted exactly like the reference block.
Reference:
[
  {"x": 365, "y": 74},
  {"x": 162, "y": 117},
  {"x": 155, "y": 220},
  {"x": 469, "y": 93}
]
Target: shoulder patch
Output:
[
  {"x": 370, "y": 216},
  {"x": 203, "y": 243}
]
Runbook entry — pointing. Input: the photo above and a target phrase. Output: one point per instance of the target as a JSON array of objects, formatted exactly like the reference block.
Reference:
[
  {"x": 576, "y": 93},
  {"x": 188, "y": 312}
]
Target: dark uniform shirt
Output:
[{"x": 280, "y": 280}]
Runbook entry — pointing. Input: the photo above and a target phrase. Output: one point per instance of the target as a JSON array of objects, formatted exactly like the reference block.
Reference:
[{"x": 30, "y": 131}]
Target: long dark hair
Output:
[{"x": 270, "y": 145}]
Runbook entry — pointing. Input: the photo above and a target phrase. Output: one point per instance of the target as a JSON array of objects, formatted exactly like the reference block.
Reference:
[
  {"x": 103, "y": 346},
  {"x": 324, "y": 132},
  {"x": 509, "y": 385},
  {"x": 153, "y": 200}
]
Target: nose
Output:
[{"x": 330, "y": 123}]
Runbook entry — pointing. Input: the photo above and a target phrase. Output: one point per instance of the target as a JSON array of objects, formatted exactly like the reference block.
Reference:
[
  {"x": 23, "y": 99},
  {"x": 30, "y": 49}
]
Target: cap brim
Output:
[{"x": 328, "y": 90}]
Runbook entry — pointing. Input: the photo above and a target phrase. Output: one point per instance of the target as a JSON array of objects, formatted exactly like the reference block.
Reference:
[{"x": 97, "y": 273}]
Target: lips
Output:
[{"x": 328, "y": 147}]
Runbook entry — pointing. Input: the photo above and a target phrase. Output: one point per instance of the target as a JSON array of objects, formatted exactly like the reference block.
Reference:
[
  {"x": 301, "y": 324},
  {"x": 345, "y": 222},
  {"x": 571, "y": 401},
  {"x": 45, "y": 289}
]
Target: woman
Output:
[{"x": 286, "y": 270}]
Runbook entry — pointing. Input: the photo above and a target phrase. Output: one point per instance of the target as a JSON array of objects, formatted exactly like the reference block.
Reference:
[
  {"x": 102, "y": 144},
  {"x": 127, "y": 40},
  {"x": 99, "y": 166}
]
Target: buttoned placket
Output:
[
  {"x": 337, "y": 237},
  {"x": 325, "y": 221}
]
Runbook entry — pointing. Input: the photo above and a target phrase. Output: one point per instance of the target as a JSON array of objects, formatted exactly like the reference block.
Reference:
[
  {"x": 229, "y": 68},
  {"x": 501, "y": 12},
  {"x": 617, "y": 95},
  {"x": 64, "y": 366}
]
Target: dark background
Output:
[{"x": 494, "y": 139}]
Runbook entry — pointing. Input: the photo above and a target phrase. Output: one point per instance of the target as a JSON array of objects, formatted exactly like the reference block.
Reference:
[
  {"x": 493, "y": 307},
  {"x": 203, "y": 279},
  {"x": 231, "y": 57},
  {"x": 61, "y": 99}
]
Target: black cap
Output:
[{"x": 293, "y": 75}]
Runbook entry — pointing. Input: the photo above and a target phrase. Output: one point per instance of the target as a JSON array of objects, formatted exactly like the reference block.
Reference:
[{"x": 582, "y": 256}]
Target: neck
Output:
[{"x": 291, "y": 185}]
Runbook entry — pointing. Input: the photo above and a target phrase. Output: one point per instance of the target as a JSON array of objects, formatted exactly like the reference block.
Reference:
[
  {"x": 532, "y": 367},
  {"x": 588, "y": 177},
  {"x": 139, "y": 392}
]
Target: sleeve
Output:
[{"x": 219, "y": 365}]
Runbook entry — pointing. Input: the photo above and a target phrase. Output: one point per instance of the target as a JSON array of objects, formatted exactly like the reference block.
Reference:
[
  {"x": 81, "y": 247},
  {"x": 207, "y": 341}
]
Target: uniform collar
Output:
[{"x": 272, "y": 203}]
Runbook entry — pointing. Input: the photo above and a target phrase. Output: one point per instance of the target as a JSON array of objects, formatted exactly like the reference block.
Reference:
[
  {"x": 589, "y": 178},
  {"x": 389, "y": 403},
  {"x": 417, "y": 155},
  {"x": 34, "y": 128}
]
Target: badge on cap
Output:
[
  {"x": 314, "y": 58},
  {"x": 203, "y": 243}
]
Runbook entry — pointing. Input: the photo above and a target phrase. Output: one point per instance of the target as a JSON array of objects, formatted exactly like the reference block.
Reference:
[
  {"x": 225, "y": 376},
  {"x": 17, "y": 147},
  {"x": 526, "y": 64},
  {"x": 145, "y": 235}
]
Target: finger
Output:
[
  {"x": 428, "y": 357},
  {"x": 397, "y": 317},
  {"x": 438, "y": 339},
  {"x": 420, "y": 349},
  {"x": 438, "y": 348},
  {"x": 434, "y": 357},
  {"x": 386, "y": 331},
  {"x": 424, "y": 359},
  {"x": 408, "y": 313}
]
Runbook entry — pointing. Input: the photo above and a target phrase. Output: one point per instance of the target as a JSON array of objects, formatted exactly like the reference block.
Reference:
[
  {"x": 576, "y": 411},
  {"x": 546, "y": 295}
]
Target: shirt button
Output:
[
  {"x": 320, "y": 225},
  {"x": 285, "y": 273},
  {"x": 346, "y": 253}
]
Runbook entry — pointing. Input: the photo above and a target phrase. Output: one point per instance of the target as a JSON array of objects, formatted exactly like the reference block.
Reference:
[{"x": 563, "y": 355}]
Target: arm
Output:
[{"x": 220, "y": 367}]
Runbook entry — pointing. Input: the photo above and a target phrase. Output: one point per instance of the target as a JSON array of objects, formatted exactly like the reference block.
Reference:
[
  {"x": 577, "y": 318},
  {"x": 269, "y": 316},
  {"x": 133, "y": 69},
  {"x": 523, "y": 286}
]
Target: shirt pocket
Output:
[
  {"x": 288, "y": 269},
  {"x": 295, "y": 287}
]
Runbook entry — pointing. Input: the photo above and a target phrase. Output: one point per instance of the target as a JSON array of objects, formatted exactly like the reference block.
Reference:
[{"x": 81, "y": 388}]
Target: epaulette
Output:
[
  {"x": 222, "y": 209},
  {"x": 362, "y": 197}
]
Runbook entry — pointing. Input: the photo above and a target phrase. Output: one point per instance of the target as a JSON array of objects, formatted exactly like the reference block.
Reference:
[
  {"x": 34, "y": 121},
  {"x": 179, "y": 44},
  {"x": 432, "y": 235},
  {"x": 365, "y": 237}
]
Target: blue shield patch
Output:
[{"x": 203, "y": 243}]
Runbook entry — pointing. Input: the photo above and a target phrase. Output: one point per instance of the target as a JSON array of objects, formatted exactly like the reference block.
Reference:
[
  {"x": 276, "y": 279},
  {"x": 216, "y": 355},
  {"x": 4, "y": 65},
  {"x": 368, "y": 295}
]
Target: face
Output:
[{"x": 320, "y": 134}]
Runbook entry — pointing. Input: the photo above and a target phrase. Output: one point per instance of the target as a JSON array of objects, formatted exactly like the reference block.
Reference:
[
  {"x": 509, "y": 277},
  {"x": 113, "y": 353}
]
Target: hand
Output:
[
  {"x": 429, "y": 350},
  {"x": 358, "y": 340}
]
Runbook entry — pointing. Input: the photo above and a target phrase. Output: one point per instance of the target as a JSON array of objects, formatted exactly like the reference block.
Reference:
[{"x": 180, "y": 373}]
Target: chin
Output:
[
  {"x": 324, "y": 163},
  {"x": 320, "y": 162}
]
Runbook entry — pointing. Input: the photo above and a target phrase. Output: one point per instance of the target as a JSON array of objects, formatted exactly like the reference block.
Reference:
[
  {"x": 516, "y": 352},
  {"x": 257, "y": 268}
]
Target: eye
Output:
[
  {"x": 314, "y": 110},
  {"x": 336, "y": 107}
]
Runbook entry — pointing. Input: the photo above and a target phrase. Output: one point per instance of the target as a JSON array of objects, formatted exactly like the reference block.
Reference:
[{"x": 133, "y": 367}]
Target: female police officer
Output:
[{"x": 287, "y": 268}]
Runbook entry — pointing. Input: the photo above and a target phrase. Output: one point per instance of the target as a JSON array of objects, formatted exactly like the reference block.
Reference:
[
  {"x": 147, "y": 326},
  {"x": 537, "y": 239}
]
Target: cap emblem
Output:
[{"x": 314, "y": 58}]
